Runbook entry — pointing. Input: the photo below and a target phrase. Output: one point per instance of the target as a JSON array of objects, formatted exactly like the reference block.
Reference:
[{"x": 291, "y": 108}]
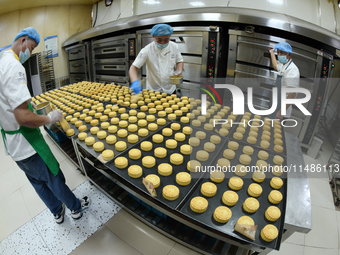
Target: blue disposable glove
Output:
[{"x": 136, "y": 87}]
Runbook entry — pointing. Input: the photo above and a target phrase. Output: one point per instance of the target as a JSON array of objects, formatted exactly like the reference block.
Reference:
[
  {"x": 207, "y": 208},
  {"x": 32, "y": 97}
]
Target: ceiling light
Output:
[
  {"x": 151, "y": 2},
  {"x": 108, "y": 2},
  {"x": 339, "y": 4},
  {"x": 199, "y": 4},
  {"x": 276, "y": 1}
]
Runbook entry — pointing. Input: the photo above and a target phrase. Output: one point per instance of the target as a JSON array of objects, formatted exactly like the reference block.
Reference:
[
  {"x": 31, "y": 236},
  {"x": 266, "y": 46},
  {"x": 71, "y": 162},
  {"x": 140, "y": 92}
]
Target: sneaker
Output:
[
  {"x": 59, "y": 218},
  {"x": 85, "y": 203}
]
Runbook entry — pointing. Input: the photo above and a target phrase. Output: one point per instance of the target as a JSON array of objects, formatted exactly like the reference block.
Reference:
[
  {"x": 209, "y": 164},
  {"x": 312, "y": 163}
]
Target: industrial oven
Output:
[
  {"x": 199, "y": 47},
  {"x": 112, "y": 57},
  {"x": 79, "y": 62},
  {"x": 249, "y": 65}
]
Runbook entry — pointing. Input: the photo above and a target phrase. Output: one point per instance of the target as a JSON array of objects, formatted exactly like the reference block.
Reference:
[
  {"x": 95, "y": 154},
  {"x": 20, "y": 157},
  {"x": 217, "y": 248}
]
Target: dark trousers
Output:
[{"x": 52, "y": 190}]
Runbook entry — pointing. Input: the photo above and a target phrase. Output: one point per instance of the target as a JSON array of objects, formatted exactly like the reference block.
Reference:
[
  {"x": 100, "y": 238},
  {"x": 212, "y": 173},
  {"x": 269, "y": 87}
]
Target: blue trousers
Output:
[{"x": 52, "y": 190}]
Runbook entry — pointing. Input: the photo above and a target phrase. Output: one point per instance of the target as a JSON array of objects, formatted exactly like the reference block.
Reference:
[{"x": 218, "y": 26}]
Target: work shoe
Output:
[
  {"x": 59, "y": 218},
  {"x": 85, "y": 203}
]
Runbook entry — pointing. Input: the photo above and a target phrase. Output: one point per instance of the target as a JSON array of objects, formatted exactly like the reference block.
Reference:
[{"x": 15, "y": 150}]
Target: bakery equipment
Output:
[
  {"x": 176, "y": 79},
  {"x": 79, "y": 62},
  {"x": 178, "y": 226},
  {"x": 298, "y": 212},
  {"x": 43, "y": 108},
  {"x": 249, "y": 65},
  {"x": 112, "y": 58}
]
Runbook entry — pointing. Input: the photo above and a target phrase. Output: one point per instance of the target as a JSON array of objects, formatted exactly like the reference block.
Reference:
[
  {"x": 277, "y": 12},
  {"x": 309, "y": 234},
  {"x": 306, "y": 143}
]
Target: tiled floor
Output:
[{"x": 27, "y": 227}]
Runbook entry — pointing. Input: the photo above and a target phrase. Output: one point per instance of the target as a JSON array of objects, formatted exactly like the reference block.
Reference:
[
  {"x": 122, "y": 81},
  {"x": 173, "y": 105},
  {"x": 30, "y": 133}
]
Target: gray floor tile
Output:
[
  {"x": 139, "y": 235},
  {"x": 25, "y": 240},
  {"x": 105, "y": 241}
]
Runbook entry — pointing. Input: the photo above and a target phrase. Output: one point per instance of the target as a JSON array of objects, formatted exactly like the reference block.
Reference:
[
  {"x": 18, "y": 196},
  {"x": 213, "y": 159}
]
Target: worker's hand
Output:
[
  {"x": 271, "y": 50},
  {"x": 55, "y": 116},
  {"x": 178, "y": 72},
  {"x": 136, "y": 87},
  {"x": 33, "y": 104}
]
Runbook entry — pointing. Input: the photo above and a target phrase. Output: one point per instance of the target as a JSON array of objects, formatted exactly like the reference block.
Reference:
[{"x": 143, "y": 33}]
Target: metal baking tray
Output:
[
  {"x": 166, "y": 115},
  {"x": 112, "y": 146},
  {"x": 260, "y": 131},
  {"x": 237, "y": 210},
  {"x": 76, "y": 130},
  {"x": 184, "y": 190},
  {"x": 217, "y": 126}
]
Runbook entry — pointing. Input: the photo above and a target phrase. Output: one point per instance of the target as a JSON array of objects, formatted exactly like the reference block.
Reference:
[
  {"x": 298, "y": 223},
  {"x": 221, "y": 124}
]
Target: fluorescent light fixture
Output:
[
  {"x": 199, "y": 4},
  {"x": 151, "y": 2},
  {"x": 276, "y": 1}
]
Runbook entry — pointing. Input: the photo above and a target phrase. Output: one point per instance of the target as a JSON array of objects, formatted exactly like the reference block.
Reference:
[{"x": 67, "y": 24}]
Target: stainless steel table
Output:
[{"x": 299, "y": 207}]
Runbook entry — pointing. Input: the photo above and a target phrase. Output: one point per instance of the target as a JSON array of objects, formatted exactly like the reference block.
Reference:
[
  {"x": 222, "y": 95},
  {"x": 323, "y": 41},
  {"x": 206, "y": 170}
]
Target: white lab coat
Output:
[
  {"x": 290, "y": 79},
  {"x": 160, "y": 64},
  {"x": 13, "y": 92}
]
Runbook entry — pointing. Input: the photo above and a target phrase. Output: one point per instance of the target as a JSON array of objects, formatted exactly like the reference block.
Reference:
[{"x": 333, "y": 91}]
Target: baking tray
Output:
[
  {"x": 184, "y": 190},
  {"x": 237, "y": 210},
  {"x": 112, "y": 146},
  {"x": 260, "y": 131},
  {"x": 217, "y": 126},
  {"x": 166, "y": 115},
  {"x": 76, "y": 130}
]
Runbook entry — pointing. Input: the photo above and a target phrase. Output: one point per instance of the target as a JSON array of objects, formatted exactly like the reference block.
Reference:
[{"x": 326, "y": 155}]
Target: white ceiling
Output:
[{"x": 14, "y": 5}]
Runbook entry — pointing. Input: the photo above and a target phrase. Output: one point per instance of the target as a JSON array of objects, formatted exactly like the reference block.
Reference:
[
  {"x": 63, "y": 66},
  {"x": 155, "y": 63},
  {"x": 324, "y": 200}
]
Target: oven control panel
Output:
[
  {"x": 212, "y": 45},
  {"x": 132, "y": 51},
  {"x": 318, "y": 102}
]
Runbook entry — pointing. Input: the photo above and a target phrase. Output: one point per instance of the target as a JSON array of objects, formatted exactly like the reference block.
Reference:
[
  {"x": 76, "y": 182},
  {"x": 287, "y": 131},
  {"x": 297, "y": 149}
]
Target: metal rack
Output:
[
  {"x": 46, "y": 70},
  {"x": 62, "y": 81}
]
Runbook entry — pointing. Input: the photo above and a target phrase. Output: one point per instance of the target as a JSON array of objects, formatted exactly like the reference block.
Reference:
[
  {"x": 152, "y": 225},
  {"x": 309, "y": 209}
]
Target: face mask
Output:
[
  {"x": 161, "y": 46},
  {"x": 282, "y": 59},
  {"x": 23, "y": 56}
]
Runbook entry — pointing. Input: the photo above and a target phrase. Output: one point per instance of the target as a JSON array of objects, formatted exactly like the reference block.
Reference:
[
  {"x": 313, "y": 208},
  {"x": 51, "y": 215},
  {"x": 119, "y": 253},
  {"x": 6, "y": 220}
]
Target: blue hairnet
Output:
[
  {"x": 30, "y": 32},
  {"x": 161, "y": 29},
  {"x": 283, "y": 46}
]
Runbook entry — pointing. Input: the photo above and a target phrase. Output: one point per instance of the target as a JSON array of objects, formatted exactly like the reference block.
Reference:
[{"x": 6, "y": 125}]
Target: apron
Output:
[
  {"x": 36, "y": 140},
  {"x": 278, "y": 86}
]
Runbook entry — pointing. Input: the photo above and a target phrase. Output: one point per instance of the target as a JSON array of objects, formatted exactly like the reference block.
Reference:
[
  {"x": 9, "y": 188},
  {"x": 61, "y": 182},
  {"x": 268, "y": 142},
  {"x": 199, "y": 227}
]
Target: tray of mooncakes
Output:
[
  {"x": 217, "y": 119},
  {"x": 111, "y": 136},
  {"x": 163, "y": 158},
  {"x": 261, "y": 132},
  {"x": 244, "y": 186}
]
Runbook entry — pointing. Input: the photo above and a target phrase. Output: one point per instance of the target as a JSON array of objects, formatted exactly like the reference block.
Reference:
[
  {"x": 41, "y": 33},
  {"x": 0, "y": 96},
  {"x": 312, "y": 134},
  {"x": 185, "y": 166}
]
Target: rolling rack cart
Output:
[
  {"x": 333, "y": 165},
  {"x": 46, "y": 70}
]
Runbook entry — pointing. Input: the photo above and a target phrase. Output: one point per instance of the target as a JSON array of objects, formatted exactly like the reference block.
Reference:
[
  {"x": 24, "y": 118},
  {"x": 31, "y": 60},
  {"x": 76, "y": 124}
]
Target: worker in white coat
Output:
[
  {"x": 162, "y": 59},
  {"x": 21, "y": 134},
  {"x": 288, "y": 74}
]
